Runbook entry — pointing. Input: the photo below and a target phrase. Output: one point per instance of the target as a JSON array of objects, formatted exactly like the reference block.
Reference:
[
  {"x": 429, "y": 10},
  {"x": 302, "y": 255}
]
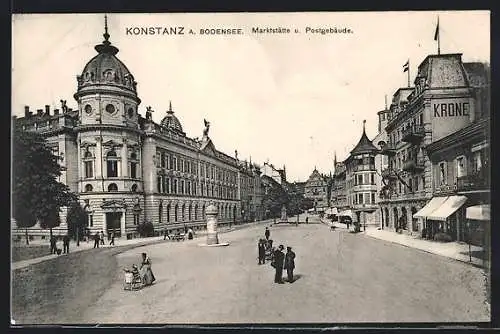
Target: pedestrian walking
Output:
[
  {"x": 262, "y": 251},
  {"x": 165, "y": 235},
  {"x": 190, "y": 234},
  {"x": 277, "y": 263},
  {"x": 66, "y": 244},
  {"x": 267, "y": 233},
  {"x": 96, "y": 240},
  {"x": 112, "y": 242},
  {"x": 307, "y": 220},
  {"x": 53, "y": 245},
  {"x": 101, "y": 237},
  {"x": 289, "y": 263}
]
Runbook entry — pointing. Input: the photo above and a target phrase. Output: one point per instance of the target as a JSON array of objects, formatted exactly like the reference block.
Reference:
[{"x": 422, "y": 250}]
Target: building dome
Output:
[
  {"x": 106, "y": 69},
  {"x": 170, "y": 121}
]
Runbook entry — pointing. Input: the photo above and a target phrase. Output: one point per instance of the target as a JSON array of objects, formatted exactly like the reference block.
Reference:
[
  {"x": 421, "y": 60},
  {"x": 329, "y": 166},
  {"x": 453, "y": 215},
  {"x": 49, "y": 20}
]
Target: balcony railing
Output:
[
  {"x": 474, "y": 182},
  {"x": 413, "y": 134},
  {"x": 413, "y": 165},
  {"x": 388, "y": 149}
]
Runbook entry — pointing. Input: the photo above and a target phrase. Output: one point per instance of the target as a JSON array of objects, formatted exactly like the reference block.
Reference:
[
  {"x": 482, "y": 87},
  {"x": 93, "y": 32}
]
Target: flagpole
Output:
[{"x": 408, "y": 73}]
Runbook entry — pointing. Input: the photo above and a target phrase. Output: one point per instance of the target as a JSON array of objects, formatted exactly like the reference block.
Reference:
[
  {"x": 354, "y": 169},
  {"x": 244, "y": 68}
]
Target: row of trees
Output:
[
  {"x": 37, "y": 194},
  {"x": 276, "y": 196}
]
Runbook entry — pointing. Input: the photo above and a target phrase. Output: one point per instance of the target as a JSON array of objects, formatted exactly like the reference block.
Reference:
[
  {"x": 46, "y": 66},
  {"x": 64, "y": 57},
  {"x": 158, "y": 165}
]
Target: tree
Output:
[
  {"x": 274, "y": 198},
  {"x": 77, "y": 221},
  {"x": 37, "y": 195}
]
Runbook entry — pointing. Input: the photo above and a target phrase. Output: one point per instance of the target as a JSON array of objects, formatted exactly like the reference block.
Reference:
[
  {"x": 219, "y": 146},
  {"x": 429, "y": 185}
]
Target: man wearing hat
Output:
[
  {"x": 279, "y": 258},
  {"x": 289, "y": 263}
]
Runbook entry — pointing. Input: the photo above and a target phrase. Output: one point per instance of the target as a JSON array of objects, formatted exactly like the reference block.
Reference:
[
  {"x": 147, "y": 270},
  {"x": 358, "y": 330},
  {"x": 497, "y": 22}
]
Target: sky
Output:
[{"x": 290, "y": 99}]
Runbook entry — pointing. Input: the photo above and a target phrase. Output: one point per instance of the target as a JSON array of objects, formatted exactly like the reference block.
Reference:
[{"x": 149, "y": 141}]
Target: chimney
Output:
[
  {"x": 39, "y": 112},
  {"x": 56, "y": 111},
  {"x": 26, "y": 111},
  {"x": 47, "y": 110}
]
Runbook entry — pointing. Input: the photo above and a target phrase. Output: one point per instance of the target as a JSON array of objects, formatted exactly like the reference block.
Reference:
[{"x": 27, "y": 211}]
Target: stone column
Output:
[
  {"x": 211, "y": 213},
  {"x": 124, "y": 153},
  {"x": 98, "y": 161}
]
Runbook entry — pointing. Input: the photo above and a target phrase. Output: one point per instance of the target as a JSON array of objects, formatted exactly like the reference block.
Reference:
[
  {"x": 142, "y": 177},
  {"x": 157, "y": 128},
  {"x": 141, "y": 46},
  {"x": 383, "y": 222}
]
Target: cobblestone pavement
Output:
[{"x": 340, "y": 277}]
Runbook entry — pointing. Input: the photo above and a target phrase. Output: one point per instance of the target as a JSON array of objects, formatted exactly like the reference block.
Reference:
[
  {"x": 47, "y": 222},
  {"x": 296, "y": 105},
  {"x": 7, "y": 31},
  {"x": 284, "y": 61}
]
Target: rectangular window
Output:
[
  {"x": 410, "y": 183},
  {"x": 182, "y": 187},
  {"x": 89, "y": 172},
  {"x": 174, "y": 160},
  {"x": 174, "y": 189},
  {"x": 416, "y": 184},
  {"x": 373, "y": 198},
  {"x": 168, "y": 185},
  {"x": 188, "y": 187},
  {"x": 112, "y": 168},
  {"x": 162, "y": 160},
  {"x": 461, "y": 167},
  {"x": 372, "y": 178},
  {"x": 133, "y": 170},
  {"x": 360, "y": 179},
  {"x": 442, "y": 173},
  {"x": 158, "y": 184},
  {"x": 179, "y": 164}
]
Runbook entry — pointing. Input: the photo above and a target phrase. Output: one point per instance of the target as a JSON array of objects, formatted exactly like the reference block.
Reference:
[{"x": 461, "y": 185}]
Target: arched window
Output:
[
  {"x": 113, "y": 187},
  {"x": 160, "y": 212},
  {"x": 189, "y": 212},
  {"x": 134, "y": 188},
  {"x": 168, "y": 213},
  {"x": 196, "y": 212},
  {"x": 88, "y": 188},
  {"x": 133, "y": 165},
  {"x": 112, "y": 164},
  {"x": 203, "y": 212},
  {"x": 183, "y": 212},
  {"x": 176, "y": 215},
  {"x": 88, "y": 163}
]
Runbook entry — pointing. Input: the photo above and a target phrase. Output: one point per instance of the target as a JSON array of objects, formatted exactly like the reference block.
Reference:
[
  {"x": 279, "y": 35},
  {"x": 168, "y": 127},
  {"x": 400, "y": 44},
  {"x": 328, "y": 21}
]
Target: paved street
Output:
[{"x": 341, "y": 277}]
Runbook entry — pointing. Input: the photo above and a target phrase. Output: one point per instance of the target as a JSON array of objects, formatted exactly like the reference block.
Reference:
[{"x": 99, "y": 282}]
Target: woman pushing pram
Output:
[{"x": 139, "y": 277}]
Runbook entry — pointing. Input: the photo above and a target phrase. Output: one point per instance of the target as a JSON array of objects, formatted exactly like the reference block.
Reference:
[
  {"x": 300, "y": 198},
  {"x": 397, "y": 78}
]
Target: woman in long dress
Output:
[{"x": 146, "y": 273}]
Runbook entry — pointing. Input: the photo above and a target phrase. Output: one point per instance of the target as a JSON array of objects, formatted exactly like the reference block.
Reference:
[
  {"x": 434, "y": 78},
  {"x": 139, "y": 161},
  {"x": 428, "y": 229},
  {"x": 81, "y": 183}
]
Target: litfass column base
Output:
[{"x": 212, "y": 239}]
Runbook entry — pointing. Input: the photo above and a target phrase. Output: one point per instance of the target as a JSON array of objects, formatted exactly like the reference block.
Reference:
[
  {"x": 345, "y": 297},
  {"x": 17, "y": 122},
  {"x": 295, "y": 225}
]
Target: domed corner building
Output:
[
  {"x": 361, "y": 179},
  {"x": 127, "y": 169}
]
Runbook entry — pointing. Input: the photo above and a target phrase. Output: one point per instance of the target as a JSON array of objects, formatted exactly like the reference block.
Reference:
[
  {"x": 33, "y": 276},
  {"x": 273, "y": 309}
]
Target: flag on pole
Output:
[
  {"x": 436, "y": 34},
  {"x": 406, "y": 66}
]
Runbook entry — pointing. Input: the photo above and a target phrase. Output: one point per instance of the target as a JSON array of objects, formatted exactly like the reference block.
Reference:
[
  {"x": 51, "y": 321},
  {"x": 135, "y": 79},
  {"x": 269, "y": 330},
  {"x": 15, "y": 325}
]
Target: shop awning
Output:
[
  {"x": 432, "y": 205},
  {"x": 478, "y": 212},
  {"x": 452, "y": 204}
]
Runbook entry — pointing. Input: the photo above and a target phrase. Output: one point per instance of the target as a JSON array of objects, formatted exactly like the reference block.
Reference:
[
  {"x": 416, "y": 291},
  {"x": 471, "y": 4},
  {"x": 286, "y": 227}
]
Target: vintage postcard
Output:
[{"x": 251, "y": 168}]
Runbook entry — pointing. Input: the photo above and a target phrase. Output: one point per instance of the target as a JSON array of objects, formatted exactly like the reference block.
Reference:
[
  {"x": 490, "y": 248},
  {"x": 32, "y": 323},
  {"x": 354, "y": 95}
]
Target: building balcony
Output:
[
  {"x": 413, "y": 165},
  {"x": 413, "y": 134},
  {"x": 473, "y": 183},
  {"x": 388, "y": 149},
  {"x": 389, "y": 174}
]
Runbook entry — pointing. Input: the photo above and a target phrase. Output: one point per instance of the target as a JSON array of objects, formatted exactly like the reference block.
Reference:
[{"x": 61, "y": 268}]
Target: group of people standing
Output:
[
  {"x": 53, "y": 245},
  {"x": 279, "y": 260},
  {"x": 99, "y": 239}
]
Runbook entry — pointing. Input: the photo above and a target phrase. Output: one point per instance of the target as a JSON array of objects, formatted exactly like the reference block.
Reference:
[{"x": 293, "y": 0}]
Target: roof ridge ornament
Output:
[{"x": 106, "y": 46}]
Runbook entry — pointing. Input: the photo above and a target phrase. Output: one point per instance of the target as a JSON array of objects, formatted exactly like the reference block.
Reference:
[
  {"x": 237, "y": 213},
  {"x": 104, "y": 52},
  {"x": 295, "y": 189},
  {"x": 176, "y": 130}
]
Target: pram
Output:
[{"x": 133, "y": 280}]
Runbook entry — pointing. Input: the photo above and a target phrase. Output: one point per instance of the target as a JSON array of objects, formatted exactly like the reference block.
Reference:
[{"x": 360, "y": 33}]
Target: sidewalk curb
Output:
[
  {"x": 425, "y": 251},
  {"x": 20, "y": 265}
]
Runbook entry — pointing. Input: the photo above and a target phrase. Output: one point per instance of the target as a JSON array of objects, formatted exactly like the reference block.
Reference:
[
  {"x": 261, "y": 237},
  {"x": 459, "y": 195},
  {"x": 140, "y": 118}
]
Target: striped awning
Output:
[{"x": 450, "y": 206}]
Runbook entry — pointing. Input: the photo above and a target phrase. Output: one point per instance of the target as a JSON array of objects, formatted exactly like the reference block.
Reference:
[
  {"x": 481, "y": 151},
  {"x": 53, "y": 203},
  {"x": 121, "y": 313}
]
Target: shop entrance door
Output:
[{"x": 113, "y": 223}]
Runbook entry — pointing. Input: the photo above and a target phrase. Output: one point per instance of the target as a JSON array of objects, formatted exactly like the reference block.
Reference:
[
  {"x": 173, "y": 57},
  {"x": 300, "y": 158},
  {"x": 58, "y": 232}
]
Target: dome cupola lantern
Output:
[{"x": 105, "y": 72}]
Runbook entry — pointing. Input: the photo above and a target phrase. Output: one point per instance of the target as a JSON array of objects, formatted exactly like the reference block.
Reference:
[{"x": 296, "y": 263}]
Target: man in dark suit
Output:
[
  {"x": 66, "y": 244},
  {"x": 262, "y": 252},
  {"x": 279, "y": 258},
  {"x": 96, "y": 240},
  {"x": 53, "y": 246},
  {"x": 289, "y": 263},
  {"x": 267, "y": 233}
]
